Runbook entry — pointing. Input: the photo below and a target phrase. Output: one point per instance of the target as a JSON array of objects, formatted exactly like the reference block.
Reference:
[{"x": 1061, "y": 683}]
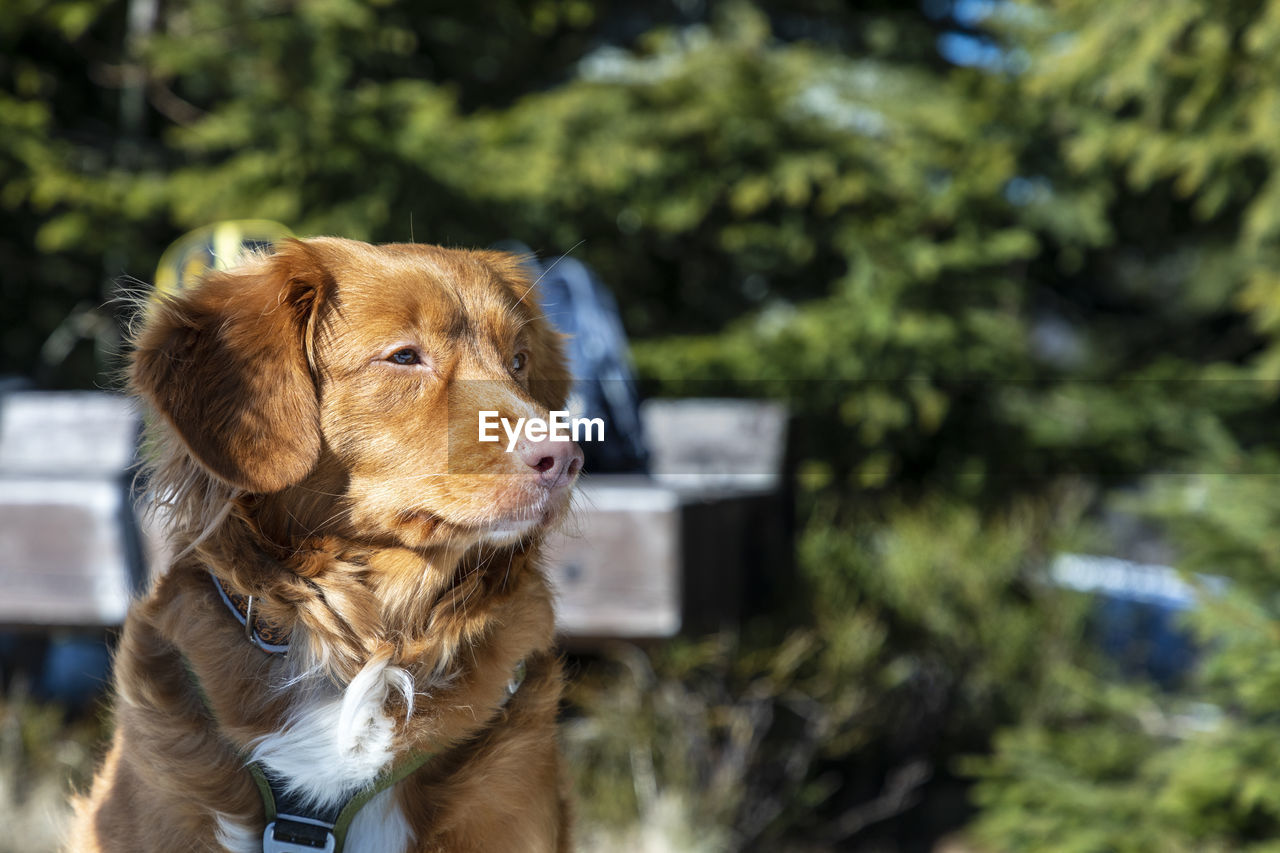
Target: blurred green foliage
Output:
[
  {"x": 1173, "y": 112},
  {"x": 1005, "y": 304},
  {"x": 924, "y": 631}
]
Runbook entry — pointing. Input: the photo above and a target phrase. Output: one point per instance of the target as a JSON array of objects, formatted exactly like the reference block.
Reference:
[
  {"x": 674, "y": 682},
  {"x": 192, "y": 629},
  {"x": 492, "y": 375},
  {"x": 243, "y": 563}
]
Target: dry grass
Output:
[
  {"x": 667, "y": 826},
  {"x": 44, "y": 755}
]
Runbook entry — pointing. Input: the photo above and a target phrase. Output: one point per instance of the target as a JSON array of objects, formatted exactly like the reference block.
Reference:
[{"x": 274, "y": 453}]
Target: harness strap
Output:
[{"x": 294, "y": 825}]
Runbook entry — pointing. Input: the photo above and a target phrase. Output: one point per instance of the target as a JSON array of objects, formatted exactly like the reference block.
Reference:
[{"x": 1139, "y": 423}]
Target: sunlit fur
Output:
[{"x": 347, "y": 493}]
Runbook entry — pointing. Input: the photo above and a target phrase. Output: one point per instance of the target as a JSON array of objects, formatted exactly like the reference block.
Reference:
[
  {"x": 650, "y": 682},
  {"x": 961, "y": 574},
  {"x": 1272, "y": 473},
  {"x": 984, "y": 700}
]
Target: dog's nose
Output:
[{"x": 557, "y": 462}]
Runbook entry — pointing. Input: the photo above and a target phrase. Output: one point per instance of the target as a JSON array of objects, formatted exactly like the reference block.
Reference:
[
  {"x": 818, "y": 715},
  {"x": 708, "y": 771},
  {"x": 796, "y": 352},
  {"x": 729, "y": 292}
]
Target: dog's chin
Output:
[
  {"x": 509, "y": 532},
  {"x": 518, "y": 528},
  {"x": 425, "y": 529}
]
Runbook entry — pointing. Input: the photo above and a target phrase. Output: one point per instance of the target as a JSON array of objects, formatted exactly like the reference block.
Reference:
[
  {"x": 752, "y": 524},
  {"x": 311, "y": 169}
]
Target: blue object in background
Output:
[
  {"x": 1145, "y": 639},
  {"x": 71, "y": 669},
  {"x": 76, "y": 670},
  {"x": 1137, "y": 620}
]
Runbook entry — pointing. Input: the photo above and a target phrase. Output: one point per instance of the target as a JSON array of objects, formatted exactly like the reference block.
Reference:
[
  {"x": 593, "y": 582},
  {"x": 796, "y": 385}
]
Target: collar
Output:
[
  {"x": 274, "y": 640},
  {"x": 271, "y": 638}
]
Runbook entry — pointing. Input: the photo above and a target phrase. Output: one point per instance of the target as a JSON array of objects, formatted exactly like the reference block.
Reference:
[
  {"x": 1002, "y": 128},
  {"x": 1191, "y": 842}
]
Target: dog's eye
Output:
[
  {"x": 518, "y": 362},
  {"x": 408, "y": 355}
]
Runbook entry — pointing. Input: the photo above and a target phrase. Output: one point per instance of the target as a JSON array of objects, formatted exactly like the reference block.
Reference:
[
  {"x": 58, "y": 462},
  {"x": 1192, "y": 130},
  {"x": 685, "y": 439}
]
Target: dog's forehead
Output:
[{"x": 445, "y": 291}]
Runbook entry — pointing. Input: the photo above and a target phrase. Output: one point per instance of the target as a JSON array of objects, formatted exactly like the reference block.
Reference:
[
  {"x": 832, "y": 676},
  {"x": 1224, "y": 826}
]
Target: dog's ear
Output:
[{"x": 227, "y": 364}]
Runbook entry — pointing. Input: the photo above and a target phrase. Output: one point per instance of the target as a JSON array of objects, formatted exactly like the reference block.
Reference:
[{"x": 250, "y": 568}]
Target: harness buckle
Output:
[{"x": 293, "y": 834}]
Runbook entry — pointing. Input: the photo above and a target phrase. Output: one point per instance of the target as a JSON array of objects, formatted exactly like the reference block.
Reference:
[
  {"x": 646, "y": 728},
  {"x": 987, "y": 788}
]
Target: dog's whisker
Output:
[{"x": 548, "y": 270}]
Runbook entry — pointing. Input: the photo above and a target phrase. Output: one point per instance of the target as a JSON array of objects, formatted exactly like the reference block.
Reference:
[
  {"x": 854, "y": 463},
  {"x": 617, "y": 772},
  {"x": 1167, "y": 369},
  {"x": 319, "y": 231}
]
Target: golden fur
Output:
[{"x": 296, "y": 459}]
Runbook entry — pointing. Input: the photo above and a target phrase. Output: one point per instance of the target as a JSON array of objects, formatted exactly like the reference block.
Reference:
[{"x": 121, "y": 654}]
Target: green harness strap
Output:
[{"x": 358, "y": 800}]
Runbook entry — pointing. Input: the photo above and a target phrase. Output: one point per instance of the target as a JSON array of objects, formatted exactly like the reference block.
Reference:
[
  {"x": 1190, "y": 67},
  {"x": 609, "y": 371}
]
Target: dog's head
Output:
[{"x": 350, "y": 378}]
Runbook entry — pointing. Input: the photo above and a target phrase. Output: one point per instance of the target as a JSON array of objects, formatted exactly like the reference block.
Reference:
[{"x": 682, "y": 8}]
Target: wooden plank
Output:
[
  {"x": 641, "y": 560},
  {"x": 63, "y": 553},
  {"x": 718, "y": 446},
  {"x": 67, "y": 433},
  {"x": 615, "y": 566}
]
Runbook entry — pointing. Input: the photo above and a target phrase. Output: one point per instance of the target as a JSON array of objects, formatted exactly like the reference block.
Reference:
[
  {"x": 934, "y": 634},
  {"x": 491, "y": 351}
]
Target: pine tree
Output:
[{"x": 1168, "y": 114}]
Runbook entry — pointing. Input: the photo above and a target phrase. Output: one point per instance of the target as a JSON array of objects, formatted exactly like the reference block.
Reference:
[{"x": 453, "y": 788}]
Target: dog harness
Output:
[{"x": 295, "y": 825}]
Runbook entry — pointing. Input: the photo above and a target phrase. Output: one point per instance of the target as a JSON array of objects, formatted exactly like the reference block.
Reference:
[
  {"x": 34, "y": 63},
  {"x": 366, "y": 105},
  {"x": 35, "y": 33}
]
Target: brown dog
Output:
[{"x": 314, "y": 444}]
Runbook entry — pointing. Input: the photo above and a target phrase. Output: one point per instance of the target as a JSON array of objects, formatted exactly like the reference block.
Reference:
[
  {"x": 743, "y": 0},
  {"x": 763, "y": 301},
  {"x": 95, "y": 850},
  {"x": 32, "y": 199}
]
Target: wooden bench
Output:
[
  {"x": 685, "y": 549},
  {"x": 70, "y": 549},
  {"x": 642, "y": 557}
]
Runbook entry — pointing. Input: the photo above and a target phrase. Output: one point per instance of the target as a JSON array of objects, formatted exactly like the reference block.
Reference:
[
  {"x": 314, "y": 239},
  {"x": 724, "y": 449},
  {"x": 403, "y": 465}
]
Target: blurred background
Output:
[{"x": 1011, "y": 269}]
